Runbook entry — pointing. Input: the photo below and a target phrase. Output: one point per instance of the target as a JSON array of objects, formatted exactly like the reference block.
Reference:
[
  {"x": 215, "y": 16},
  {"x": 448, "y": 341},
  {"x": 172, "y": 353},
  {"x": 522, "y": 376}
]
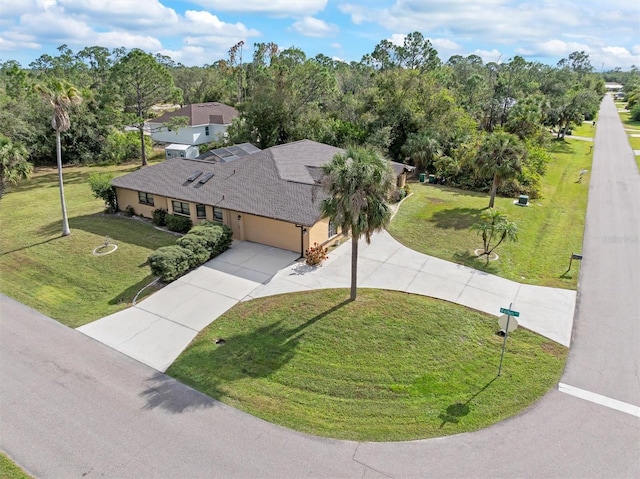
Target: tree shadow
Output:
[
  {"x": 120, "y": 229},
  {"x": 456, "y": 218},
  {"x": 476, "y": 262},
  {"x": 455, "y": 411},
  {"x": 210, "y": 365},
  {"x": 30, "y": 245},
  {"x": 560, "y": 145},
  {"x": 171, "y": 395}
]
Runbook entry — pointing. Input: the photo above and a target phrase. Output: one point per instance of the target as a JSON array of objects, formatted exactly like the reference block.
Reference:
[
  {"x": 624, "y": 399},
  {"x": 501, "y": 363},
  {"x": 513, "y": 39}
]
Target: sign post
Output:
[{"x": 507, "y": 324}]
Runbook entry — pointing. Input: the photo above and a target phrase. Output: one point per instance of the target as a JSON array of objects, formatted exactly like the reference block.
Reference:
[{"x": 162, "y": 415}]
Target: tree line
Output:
[{"x": 453, "y": 119}]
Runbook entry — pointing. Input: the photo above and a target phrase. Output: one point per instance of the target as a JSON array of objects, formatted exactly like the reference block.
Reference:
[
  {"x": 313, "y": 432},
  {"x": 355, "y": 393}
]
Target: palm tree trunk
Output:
[
  {"x": 143, "y": 153},
  {"x": 354, "y": 267},
  {"x": 65, "y": 222},
  {"x": 494, "y": 190}
]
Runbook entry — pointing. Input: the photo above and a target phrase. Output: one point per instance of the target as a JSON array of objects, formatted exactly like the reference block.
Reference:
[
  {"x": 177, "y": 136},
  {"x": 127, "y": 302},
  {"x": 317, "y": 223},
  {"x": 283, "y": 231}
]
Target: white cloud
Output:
[
  {"x": 445, "y": 44},
  {"x": 202, "y": 22},
  {"x": 490, "y": 55},
  {"x": 314, "y": 27},
  {"x": 397, "y": 39},
  {"x": 335, "y": 45},
  {"x": 288, "y": 8},
  {"x": 134, "y": 14}
]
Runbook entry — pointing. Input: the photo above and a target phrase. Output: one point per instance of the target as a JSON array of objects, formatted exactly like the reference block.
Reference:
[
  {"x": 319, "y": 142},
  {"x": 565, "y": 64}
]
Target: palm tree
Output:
[
  {"x": 500, "y": 157},
  {"x": 358, "y": 183},
  {"x": 13, "y": 163},
  {"x": 61, "y": 96},
  {"x": 494, "y": 229}
]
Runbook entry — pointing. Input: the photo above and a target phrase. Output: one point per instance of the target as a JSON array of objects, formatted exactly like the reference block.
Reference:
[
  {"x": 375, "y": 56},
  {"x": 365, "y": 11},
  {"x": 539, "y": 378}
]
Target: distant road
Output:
[{"x": 71, "y": 407}]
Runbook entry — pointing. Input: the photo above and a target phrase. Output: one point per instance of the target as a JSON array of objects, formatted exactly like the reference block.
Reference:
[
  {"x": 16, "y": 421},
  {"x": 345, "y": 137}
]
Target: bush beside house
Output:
[{"x": 203, "y": 242}]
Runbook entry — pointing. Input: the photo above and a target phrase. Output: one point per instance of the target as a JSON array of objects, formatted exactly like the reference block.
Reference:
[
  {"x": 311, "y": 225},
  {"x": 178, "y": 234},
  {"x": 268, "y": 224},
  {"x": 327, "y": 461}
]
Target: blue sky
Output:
[{"x": 198, "y": 32}]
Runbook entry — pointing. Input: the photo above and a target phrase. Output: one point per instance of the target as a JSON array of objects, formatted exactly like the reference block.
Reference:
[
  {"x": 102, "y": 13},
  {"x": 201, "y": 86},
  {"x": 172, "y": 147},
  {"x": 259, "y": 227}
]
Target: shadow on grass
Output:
[
  {"x": 455, "y": 411},
  {"x": 210, "y": 365},
  {"x": 125, "y": 230},
  {"x": 128, "y": 294},
  {"x": 456, "y": 218},
  {"x": 29, "y": 246},
  {"x": 560, "y": 146},
  {"x": 469, "y": 259}
]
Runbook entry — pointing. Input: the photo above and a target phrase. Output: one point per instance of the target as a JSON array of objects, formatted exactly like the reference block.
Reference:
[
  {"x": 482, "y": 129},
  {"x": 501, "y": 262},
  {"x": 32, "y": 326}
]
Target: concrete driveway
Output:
[{"x": 156, "y": 330}]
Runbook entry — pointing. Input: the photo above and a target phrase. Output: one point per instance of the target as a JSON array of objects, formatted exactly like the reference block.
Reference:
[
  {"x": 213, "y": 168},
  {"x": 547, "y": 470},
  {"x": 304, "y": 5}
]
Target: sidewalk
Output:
[
  {"x": 159, "y": 328},
  {"x": 387, "y": 264}
]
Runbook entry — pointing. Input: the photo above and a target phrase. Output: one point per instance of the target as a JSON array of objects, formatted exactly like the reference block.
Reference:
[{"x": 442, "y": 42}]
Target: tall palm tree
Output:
[
  {"x": 358, "y": 183},
  {"x": 13, "y": 163},
  {"x": 61, "y": 95},
  {"x": 500, "y": 157}
]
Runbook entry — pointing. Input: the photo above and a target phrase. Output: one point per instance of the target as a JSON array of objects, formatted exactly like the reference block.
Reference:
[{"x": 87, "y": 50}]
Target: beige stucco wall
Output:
[
  {"x": 245, "y": 227},
  {"x": 130, "y": 198},
  {"x": 402, "y": 180}
]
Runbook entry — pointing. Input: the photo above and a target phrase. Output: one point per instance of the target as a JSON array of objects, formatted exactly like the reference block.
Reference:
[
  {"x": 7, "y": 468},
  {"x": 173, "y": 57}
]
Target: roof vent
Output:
[
  {"x": 194, "y": 175},
  {"x": 205, "y": 178}
]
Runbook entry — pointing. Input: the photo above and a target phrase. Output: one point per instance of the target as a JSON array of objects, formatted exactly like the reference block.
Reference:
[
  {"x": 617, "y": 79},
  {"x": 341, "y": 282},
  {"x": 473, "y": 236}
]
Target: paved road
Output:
[
  {"x": 605, "y": 357},
  {"x": 72, "y": 407}
]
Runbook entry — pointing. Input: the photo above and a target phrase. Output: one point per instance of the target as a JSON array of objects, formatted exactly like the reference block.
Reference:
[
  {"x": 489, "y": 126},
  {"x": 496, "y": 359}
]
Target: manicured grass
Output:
[
  {"x": 631, "y": 125},
  {"x": 59, "y": 276},
  {"x": 388, "y": 366},
  {"x": 9, "y": 470},
  {"x": 585, "y": 130},
  {"x": 435, "y": 220}
]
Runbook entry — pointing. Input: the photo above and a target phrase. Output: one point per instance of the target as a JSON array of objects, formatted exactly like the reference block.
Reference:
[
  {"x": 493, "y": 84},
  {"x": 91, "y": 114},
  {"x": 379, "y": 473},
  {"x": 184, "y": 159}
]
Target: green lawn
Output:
[
  {"x": 59, "y": 276},
  {"x": 629, "y": 124},
  {"x": 435, "y": 220},
  {"x": 9, "y": 470},
  {"x": 585, "y": 130},
  {"x": 389, "y": 366}
]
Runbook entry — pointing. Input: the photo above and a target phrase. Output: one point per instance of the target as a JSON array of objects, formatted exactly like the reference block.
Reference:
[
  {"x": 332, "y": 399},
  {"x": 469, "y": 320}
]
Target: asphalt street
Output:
[{"x": 72, "y": 407}]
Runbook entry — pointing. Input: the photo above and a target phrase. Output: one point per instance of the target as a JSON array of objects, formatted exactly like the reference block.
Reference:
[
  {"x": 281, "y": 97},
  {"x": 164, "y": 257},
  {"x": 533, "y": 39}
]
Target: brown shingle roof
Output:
[
  {"x": 250, "y": 185},
  {"x": 280, "y": 182},
  {"x": 202, "y": 114}
]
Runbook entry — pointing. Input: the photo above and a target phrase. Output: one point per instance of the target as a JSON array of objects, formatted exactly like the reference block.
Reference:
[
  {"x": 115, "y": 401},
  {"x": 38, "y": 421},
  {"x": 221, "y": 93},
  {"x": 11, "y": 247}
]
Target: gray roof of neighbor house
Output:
[
  {"x": 281, "y": 182},
  {"x": 212, "y": 113}
]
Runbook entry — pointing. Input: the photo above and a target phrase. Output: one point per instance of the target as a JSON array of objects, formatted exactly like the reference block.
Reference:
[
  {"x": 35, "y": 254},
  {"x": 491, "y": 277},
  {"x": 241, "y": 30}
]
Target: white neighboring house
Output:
[{"x": 207, "y": 122}]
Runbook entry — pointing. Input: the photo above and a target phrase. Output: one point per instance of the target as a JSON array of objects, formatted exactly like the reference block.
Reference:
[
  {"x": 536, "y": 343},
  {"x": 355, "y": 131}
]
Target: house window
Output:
[
  {"x": 145, "y": 198},
  {"x": 201, "y": 211},
  {"x": 206, "y": 130},
  {"x": 180, "y": 208},
  {"x": 182, "y": 154},
  {"x": 217, "y": 214},
  {"x": 332, "y": 229}
]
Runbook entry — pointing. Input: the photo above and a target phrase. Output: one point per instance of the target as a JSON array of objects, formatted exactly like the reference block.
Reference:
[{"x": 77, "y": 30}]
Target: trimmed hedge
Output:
[
  {"x": 203, "y": 242},
  {"x": 198, "y": 246},
  {"x": 179, "y": 224},
  {"x": 217, "y": 236},
  {"x": 170, "y": 262}
]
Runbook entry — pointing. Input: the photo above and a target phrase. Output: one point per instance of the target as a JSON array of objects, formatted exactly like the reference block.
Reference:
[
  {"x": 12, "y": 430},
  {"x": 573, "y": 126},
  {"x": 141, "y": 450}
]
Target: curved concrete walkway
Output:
[{"x": 159, "y": 328}]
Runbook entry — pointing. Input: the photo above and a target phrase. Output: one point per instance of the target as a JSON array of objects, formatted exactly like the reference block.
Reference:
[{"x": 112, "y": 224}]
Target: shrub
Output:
[
  {"x": 316, "y": 254},
  {"x": 397, "y": 195},
  {"x": 121, "y": 146},
  {"x": 179, "y": 224},
  {"x": 217, "y": 235},
  {"x": 100, "y": 184},
  {"x": 198, "y": 246},
  {"x": 635, "y": 112},
  {"x": 407, "y": 190},
  {"x": 159, "y": 217},
  {"x": 170, "y": 262},
  {"x": 129, "y": 211}
]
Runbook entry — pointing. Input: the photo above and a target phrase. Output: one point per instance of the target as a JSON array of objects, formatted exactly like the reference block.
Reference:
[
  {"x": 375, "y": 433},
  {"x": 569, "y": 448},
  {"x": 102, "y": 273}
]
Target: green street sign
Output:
[{"x": 510, "y": 312}]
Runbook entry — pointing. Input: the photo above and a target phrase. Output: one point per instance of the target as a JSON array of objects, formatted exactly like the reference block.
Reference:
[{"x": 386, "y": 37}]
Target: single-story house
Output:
[
  {"x": 270, "y": 197},
  {"x": 612, "y": 86},
  {"x": 206, "y": 122}
]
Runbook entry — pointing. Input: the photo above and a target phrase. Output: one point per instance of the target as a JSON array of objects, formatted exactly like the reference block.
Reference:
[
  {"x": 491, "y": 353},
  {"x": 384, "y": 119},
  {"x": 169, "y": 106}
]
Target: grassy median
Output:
[{"x": 388, "y": 366}]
